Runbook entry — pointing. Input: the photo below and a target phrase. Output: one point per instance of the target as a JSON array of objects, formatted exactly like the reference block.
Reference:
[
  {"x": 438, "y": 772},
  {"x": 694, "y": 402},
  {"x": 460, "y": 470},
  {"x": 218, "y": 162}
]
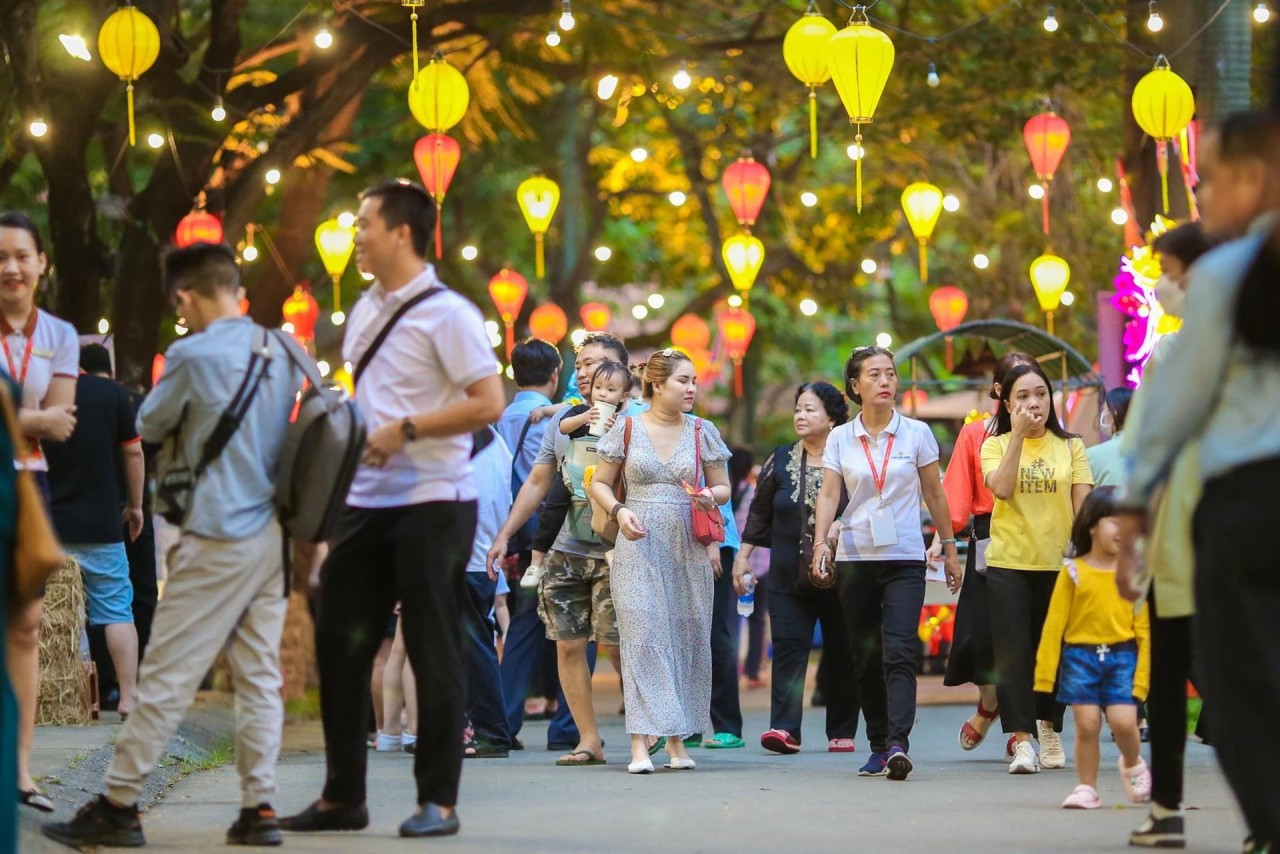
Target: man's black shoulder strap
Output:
[{"x": 386, "y": 330}]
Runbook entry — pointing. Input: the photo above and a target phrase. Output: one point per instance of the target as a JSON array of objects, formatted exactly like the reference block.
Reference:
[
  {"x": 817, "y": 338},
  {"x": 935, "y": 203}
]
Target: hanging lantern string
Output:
[{"x": 414, "y": 5}]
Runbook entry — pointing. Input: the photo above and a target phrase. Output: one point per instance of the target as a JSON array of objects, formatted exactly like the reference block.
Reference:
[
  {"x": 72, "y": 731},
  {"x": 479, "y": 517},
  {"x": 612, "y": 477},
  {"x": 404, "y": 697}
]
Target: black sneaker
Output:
[
  {"x": 255, "y": 826},
  {"x": 99, "y": 822},
  {"x": 1155, "y": 832}
]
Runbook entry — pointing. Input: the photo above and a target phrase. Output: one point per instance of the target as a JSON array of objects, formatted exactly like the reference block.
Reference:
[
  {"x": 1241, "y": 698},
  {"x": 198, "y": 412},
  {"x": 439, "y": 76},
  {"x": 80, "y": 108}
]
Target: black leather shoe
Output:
[
  {"x": 99, "y": 822},
  {"x": 429, "y": 821},
  {"x": 255, "y": 826},
  {"x": 314, "y": 820}
]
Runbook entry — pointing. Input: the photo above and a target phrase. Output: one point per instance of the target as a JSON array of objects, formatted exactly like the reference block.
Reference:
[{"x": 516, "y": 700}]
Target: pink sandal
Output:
[
  {"x": 841, "y": 745},
  {"x": 779, "y": 741},
  {"x": 969, "y": 737}
]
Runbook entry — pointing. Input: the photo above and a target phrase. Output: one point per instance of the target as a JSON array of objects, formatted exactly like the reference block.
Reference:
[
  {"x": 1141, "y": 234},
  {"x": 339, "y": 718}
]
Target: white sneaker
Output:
[
  {"x": 531, "y": 577},
  {"x": 1051, "y": 753},
  {"x": 1024, "y": 759},
  {"x": 389, "y": 743}
]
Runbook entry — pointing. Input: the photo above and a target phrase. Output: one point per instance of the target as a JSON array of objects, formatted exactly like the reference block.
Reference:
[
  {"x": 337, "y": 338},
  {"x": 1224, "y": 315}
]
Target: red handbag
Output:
[{"x": 708, "y": 525}]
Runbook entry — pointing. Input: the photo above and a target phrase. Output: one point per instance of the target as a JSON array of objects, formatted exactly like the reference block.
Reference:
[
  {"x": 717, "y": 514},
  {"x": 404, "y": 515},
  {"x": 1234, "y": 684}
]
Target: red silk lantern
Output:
[
  {"x": 737, "y": 328},
  {"x": 157, "y": 369},
  {"x": 437, "y": 156},
  {"x": 691, "y": 334},
  {"x": 508, "y": 289},
  {"x": 1047, "y": 137},
  {"x": 549, "y": 323},
  {"x": 948, "y": 305},
  {"x": 243, "y": 306},
  {"x": 596, "y": 317},
  {"x": 301, "y": 311},
  {"x": 914, "y": 398},
  {"x": 746, "y": 183},
  {"x": 197, "y": 227}
]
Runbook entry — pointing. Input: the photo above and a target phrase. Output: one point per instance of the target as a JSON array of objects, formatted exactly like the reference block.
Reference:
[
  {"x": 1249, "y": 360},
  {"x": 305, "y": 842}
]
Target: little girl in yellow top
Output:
[{"x": 1104, "y": 650}]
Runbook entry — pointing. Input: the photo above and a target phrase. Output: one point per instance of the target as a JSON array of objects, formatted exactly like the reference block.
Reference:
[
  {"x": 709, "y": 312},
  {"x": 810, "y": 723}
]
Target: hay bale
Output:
[{"x": 63, "y": 680}]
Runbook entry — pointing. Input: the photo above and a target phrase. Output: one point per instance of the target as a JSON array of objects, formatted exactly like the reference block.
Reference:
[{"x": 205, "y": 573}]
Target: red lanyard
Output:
[
  {"x": 20, "y": 377},
  {"x": 879, "y": 476}
]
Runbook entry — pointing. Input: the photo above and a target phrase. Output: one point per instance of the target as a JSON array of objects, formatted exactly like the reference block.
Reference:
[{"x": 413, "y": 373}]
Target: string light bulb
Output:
[
  {"x": 155, "y": 140},
  {"x": 809, "y": 199},
  {"x": 639, "y": 154},
  {"x": 951, "y": 203},
  {"x": 38, "y": 128},
  {"x": 219, "y": 112},
  {"x": 566, "y": 16},
  {"x": 273, "y": 176},
  {"x": 934, "y": 80},
  {"x": 470, "y": 253},
  {"x": 1105, "y": 185},
  {"x": 250, "y": 253},
  {"x": 656, "y": 301},
  {"x": 553, "y": 38},
  {"x": 981, "y": 261},
  {"x": 808, "y": 307},
  {"x": 1154, "y": 22},
  {"x": 1050, "y": 21},
  {"x": 338, "y": 318},
  {"x": 1036, "y": 191},
  {"x": 677, "y": 198},
  {"x": 607, "y": 85},
  {"x": 1119, "y": 216},
  {"x": 324, "y": 38},
  {"x": 75, "y": 45},
  {"x": 104, "y": 326},
  {"x": 1262, "y": 12},
  {"x": 682, "y": 79}
]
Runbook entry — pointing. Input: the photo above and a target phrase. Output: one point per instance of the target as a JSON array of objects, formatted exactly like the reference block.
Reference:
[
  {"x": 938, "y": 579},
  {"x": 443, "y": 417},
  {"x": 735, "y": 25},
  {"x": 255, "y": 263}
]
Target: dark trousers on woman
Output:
[
  {"x": 881, "y": 601},
  {"x": 1237, "y": 599},
  {"x": 485, "y": 708},
  {"x": 726, "y": 712},
  {"x": 792, "y": 616},
  {"x": 1019, "y": 602},
  {"x": 417, "y": 555},
  {"x": 1167, "y": 704}
]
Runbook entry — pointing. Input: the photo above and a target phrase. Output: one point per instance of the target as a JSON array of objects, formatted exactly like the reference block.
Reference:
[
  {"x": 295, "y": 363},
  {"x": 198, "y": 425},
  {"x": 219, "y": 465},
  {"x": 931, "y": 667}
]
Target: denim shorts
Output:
[
  {"x": 105, "y": 568},
  {"x": 1098, "y": 675}
]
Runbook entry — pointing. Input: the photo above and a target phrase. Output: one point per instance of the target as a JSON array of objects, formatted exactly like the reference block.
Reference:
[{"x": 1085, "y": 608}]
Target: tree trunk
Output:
[
  {"x": 565, "y": 277},
  {"x": 1225, "y": 58}
]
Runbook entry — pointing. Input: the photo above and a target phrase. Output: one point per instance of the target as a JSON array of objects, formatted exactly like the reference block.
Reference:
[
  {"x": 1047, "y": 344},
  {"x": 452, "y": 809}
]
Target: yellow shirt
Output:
[
  {"x": 1087, "y": 609},
  {"x": 1032, "y": 528}
]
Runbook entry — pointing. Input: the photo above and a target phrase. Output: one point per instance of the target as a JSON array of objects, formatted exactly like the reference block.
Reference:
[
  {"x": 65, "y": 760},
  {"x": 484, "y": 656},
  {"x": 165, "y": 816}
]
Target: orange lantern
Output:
[
  {"x": 549, "y": 323},
  {"x": 691, "y": 334},
  {"x": 1047, "y": 137},
  {"x": 157, "y": 369},
  {"x": 197, "y": 227},
  {"x": 301, "y": 311},
  {"x": 746, "y": 183},
  {"x": 596, "y": 317},
  {"x": 437, "y": 156},
  {"x": 243, "y": 306},
  {"x": 948, "y": 305},
  {"x": 913, "y": 398},
  {"x": 737, "y": 328},
  {"x": 508, "y": 289}
]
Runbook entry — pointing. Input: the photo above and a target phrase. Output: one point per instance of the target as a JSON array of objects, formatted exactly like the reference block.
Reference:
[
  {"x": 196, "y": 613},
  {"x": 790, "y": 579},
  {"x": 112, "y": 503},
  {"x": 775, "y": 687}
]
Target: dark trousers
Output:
[
  {"x": 417, "y": 555},
  {"x": 485, "y": 709},
  {"x": 726, "y": 713},
  {"x": 1167, "y": 705},
  {"x": 522, "y": 659},
  {"x": 881, "y": 601},
  {"x": 793, "y": 616},
  {"x": 1237, "y": 599},
  {"x": 755, "y": 633},
  {"x": 142, "y": 575},
  {"x": 1018, "y": 600}
]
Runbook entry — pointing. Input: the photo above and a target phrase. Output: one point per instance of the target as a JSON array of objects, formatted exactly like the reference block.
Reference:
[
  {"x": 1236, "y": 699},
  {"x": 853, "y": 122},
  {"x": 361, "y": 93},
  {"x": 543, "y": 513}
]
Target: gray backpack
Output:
[{"x": 320, "y": 455}]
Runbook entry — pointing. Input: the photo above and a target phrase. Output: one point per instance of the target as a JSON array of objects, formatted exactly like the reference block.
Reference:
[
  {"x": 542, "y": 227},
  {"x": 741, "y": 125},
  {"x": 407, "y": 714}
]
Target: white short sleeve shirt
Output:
[
  {"x": 434, "y": 353},
  {"x": 54, "y": 352},
  {"x": 914, "y": 446}
]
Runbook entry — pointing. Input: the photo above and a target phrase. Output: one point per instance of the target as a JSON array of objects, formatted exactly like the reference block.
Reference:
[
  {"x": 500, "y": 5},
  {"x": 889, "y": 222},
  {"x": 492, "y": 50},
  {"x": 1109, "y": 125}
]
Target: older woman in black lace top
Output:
[{"x": 781, "y": 519}]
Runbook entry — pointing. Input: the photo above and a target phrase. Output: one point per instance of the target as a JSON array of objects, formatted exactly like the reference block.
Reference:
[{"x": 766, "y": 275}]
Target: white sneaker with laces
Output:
[
  {"x": 1024, "y": 759},
  {"x": 531, "y": 577},
  {"x": 1051, "y": 753}
]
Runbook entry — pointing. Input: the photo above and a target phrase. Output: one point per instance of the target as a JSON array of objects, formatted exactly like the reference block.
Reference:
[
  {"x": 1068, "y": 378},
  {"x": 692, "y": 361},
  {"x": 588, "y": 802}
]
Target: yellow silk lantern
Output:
[
  {"x": 335, "y": 243},
  {"x": 743, "y": 256},
  {"x": 538, "y": 197},
  {"x": 805, "y": 51},
  {"x": 128, "y": 44},
  {"x": 1049, "y": 277},
  {"x": 439, "y": 95},
  {"x": 1163, "y": 107},
  {"x": 860, "y": 58},
  {"x": 922, "y": 203}
]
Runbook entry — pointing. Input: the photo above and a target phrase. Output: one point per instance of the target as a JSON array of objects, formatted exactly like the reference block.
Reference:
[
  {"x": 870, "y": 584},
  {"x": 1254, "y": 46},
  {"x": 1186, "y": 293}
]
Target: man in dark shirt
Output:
[{"x": 85, "y": 479}]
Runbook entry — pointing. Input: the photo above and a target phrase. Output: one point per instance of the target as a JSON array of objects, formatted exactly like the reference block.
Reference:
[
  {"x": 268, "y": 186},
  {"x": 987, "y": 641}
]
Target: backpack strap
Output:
[
  {"x": 515, "y": 452},
  {"x": 229, "y": 421},
  {"x": 386, "y": 330},
  {"x": 301, "y": 358}
]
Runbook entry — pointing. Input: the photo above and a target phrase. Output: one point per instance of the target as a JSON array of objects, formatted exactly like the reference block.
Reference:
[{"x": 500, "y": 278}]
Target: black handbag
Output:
[{"x": 807, "y": 581}]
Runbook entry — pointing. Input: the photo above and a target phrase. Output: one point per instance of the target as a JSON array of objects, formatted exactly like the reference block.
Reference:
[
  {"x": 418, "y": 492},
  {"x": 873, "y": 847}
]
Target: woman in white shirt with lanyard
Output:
[
  {"x": 888, "y": 463},
  {"x": 42, "y": 355}
]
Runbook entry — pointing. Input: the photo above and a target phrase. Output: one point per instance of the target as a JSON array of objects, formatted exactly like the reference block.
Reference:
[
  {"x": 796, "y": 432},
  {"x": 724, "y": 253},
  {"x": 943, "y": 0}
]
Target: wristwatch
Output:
[{"x": 410, "y": 432}]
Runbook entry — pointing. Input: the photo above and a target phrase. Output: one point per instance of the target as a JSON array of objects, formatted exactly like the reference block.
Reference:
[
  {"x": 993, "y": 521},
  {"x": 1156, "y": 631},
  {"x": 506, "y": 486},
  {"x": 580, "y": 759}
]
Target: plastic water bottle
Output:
[{"x": 747, "y": 601}]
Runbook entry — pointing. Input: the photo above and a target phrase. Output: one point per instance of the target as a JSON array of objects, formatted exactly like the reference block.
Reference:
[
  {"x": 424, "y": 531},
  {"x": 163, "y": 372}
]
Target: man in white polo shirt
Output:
[{"x": 410, "y": 519}]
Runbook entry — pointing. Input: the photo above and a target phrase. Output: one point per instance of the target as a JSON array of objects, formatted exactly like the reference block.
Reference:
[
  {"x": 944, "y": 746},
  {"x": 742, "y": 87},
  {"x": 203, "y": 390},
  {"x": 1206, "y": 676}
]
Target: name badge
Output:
[{"x": 883, "y": 530}]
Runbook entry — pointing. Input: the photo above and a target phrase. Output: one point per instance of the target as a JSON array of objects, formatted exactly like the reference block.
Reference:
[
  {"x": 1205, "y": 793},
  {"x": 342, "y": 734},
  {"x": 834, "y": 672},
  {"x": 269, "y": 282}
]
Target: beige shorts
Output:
[{"x": 574, "y": 600}]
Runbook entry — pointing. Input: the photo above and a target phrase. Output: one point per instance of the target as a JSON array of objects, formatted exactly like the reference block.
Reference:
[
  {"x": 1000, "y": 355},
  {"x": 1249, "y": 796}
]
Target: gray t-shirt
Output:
[{"x": 554, "y": 447}]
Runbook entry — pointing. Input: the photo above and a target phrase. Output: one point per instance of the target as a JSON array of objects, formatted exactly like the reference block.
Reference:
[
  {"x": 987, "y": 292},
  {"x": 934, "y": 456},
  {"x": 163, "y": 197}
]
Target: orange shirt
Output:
[{"x": 964, "y": 485}]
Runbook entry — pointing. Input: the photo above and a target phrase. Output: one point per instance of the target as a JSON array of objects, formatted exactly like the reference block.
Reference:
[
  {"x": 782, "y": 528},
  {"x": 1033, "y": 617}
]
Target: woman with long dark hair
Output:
[{"x": 1039, "y": 474}]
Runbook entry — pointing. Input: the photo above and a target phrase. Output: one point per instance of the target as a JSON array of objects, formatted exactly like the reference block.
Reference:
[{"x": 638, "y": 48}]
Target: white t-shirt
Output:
[
  {"x": 913, "y": 447},
  {"x": 55, "y": 352},
  {"x": 436, "y": 351}
]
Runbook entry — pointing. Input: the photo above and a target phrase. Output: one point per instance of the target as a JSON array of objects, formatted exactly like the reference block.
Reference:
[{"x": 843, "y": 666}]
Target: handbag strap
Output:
[
  {"x": 230, "y": 420},
  {"x": 697, "y": 450},
  {"x": 515, "y": 452},
  {"x": 386, "y": 330}
]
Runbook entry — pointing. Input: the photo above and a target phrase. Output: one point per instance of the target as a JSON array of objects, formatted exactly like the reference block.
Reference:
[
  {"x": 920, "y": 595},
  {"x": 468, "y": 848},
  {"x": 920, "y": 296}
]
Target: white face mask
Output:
[{"x": 1171, "y": 296}]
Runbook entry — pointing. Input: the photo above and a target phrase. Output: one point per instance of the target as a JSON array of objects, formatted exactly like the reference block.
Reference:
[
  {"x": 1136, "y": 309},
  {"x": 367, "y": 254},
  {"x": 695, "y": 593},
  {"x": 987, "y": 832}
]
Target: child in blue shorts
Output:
[{"x": 1098, "y": 649}]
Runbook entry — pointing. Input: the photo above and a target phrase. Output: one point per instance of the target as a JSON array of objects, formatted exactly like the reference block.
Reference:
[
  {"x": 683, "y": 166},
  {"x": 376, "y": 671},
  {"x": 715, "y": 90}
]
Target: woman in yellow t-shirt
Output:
[{"x": 1039, "y": 474}]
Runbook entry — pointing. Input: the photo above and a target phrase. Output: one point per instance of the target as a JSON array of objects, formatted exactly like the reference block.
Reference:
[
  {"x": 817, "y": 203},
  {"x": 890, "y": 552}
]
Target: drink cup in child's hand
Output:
[{"x": 603, "y": 415}]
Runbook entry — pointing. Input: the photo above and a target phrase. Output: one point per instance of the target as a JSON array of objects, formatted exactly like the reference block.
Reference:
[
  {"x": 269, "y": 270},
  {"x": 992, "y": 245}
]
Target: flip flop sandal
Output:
[
  {"x": 591, "y": 759},
  {"x": 969, "y": 737},
  {"x": 35, "y": 800},
  {"x": 658, "y": 745},
  {"x": 779, "y": 741}
]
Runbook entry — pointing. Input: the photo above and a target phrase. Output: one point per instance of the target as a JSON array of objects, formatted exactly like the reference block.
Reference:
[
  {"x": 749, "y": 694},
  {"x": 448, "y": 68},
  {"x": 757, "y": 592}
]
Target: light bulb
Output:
[
  {"x": 75, "y": 45},
  {"x": 869, "y": 266},
  {"x": 38, "y": 128},
  {"x": 553, "y": 38},
  {"x": 1036, "y": 191},
  {"x": 656, "y": 301},
  {"x": 603, "y": 253},
  {"x": 155, "y": 140},
  {"x": 1154, "y": 22},
  {"x": 491, "y": 327},
  {"x": 981, "y": 261},
  {"x": 855, "y": 152},
  {"x": 323, "y": 367},
  {"x": 470, "y": 253},
  {"x": 1120, "y": 216},
  {"x": 1262, "y": 13},
  {"x": 250, "y": 253},
  {"x": 179, "y": 329},
  {"x": 677, "y": 198},
  {"x": 934, "y": 80},
  {"x": 272, "y": 176},
  {"x": 324, "y": 38},
  {"x": 639, "y": 154},
  {"x": 104, "y": 326},
  {"x": 1067, "y": 298},
  {"x": 577, "y": 336},
  {"x": 346, "y": 219},
  {"x": 287, "y": 328},
  {"x": 808, "y": 199},
  {"x": 1105, "y": 185},
  {"x": 367, "y": 276},
  {"x": 808, "y": 307},
  {"x": 338, "y": 318},
  {"x": 566, "y": 17},
  {"x": 734, "y": 301},
  {"x": 884, "y": 339},
  {"x": 682, "y": 79},
  {"x": 1050, "y": 21},
  {"x": 640, "y": 312},
  {"x": 219, "y": 112},
  {"x": 607, "y": 85},
  {"x": 951, "y": 203}
]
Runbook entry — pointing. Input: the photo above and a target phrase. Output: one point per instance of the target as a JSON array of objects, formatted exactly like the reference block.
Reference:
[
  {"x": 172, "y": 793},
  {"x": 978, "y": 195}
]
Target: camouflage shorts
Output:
[{"x": 574, "y": 601}]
